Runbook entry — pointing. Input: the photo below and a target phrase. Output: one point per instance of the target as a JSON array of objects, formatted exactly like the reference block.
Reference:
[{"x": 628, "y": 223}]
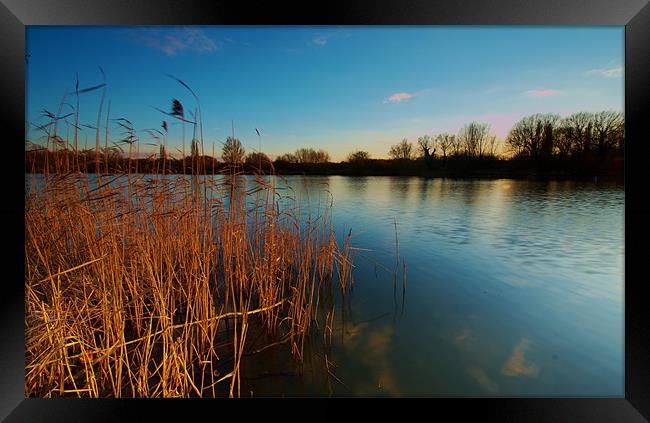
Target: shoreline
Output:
[{"x": 477, "y": 175}]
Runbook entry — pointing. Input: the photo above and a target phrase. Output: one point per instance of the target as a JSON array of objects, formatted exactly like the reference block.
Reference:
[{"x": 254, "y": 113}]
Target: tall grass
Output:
[{"x": 158, "y": 285}]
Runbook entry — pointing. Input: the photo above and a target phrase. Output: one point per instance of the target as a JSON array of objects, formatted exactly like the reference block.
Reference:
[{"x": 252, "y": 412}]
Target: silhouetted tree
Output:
[
  {"x": 309, "y": 155},
  {"x": 563, "y": 140},
  {"x": 427, "y": 146},
  {"x": 456, "y": 147},
  {"x": 358, "y": 157},
  {"x": 446, "y": 143},
  {"x": 548, "y": 130},
  {"x": 401, "y": 151},
  {"x": 322, "y": 156},
  {"x": 491, "y": 146},
  {"x": 533, "y": 135},
  {"x": 258, "y": 160},
  {"x": 608, "y": 131},
  {"x": 233, "y": 151},
  {"x": 577, "y": 128},
  {"x": 473, "y": 138},
  {"x": 427, "y": 149},
  {"x": 287, "y": 157}
]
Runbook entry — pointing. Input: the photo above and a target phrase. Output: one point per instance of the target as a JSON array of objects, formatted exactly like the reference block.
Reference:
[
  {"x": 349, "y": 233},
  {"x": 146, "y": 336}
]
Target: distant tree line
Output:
[
  {"x": 578, "y": 145},
  {"x": 473, "y": 140},
  {"x": 305, "y": 155},
  {"x": 583, "y": 133}
]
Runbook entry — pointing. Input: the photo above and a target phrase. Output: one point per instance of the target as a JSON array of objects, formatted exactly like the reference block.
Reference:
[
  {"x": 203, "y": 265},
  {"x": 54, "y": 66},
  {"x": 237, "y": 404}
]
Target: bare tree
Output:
[
  {"x": 304, "y": 155},
  {"x": 446, "y": 143},
  {"x": 608, "y": 131},
  {"x": 491, "y": 146},
  {"x": 426, "y": 146},
  {"x": 548, "y": 136},
  {"x": 563, "y": 140},
  {"x": 322, "y": 156},
  {"x": 233, "y": 151},
  {"x": 287, "y": 157},
  {"x": 456, "y": 147},
  {"x": 358, "y": 157},
  {"x": 258, "y": 160},
  {"x": 309, "y": 155},
  {"x": 578, "y": 129},
  {"x": 403, "y": 150},
  {"x": 533, "y": 135},
  {"x": 473, "y": 138}
]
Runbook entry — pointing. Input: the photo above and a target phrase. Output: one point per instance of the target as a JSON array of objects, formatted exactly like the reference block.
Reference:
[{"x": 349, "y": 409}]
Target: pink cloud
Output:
[
  {"x": 403, "y": 96},
  {"x": 542, "y": 93},
  {"x": 399, "y": 97}
]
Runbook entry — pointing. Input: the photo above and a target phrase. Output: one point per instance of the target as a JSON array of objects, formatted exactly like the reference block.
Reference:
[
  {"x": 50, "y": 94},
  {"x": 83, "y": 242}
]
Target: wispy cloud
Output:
[
  {"x": 606, "y": 72},
  {"x": 542, "y": 93},
  {"x": 172, "y": 42},
  {"x": 405, "y": 96},
  {"x": 399, "y": 97},
  {"x": 320, "y": 40}
]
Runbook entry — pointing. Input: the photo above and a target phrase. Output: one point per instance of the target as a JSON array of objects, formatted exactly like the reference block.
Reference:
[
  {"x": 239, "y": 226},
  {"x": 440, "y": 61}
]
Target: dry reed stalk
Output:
[
  {"x": 128, "y": 280},
  {"x": 138, "y": 274}
]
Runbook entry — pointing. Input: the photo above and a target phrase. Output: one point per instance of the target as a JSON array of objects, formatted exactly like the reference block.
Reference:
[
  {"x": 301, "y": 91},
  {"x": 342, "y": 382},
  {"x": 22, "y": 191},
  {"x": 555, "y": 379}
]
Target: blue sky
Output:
[{"x": 338, "y": 88}]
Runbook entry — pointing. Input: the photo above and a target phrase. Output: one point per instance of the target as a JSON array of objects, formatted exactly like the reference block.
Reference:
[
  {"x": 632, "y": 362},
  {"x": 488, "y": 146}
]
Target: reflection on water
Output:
[
  {"x": 483, "y": 380},
  {"x": 516, "y": 365},
  {"x": 513, "y": 288}
]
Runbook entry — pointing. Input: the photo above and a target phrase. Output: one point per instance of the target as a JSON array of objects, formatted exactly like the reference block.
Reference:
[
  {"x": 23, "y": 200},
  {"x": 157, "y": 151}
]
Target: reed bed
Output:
[
  {"x": 149, "y": 286},
  {"x": 161, "y": 285}
]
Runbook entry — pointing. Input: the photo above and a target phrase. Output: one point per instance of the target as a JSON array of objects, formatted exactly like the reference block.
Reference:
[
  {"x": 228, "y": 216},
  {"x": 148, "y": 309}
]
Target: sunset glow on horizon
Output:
[{"x": 340, "y": 89}]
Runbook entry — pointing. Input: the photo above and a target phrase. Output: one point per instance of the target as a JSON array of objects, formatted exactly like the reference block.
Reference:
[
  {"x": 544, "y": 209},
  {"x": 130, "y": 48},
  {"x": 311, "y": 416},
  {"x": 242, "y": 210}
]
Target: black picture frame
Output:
[{"x": 15, "y": 15}]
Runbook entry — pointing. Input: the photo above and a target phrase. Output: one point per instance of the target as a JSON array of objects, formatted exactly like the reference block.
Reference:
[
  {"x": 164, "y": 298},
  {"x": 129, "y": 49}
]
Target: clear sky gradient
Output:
[{"x": 337, "y": 88}]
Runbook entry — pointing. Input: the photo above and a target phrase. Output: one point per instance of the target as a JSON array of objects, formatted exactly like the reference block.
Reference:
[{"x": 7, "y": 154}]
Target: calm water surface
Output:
[{"x": 513, "y": 288}]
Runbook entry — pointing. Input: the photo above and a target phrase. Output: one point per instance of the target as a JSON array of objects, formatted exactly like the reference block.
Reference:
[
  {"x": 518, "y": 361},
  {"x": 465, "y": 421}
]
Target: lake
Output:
[
  {"x": 502, "y": 288},
  {"x": 513, "y": 288}
]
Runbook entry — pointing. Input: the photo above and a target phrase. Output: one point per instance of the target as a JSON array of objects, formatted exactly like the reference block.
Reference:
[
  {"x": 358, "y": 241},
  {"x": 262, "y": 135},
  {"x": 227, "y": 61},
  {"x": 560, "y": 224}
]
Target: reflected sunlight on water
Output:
[{"x": 513, "y": 288}]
